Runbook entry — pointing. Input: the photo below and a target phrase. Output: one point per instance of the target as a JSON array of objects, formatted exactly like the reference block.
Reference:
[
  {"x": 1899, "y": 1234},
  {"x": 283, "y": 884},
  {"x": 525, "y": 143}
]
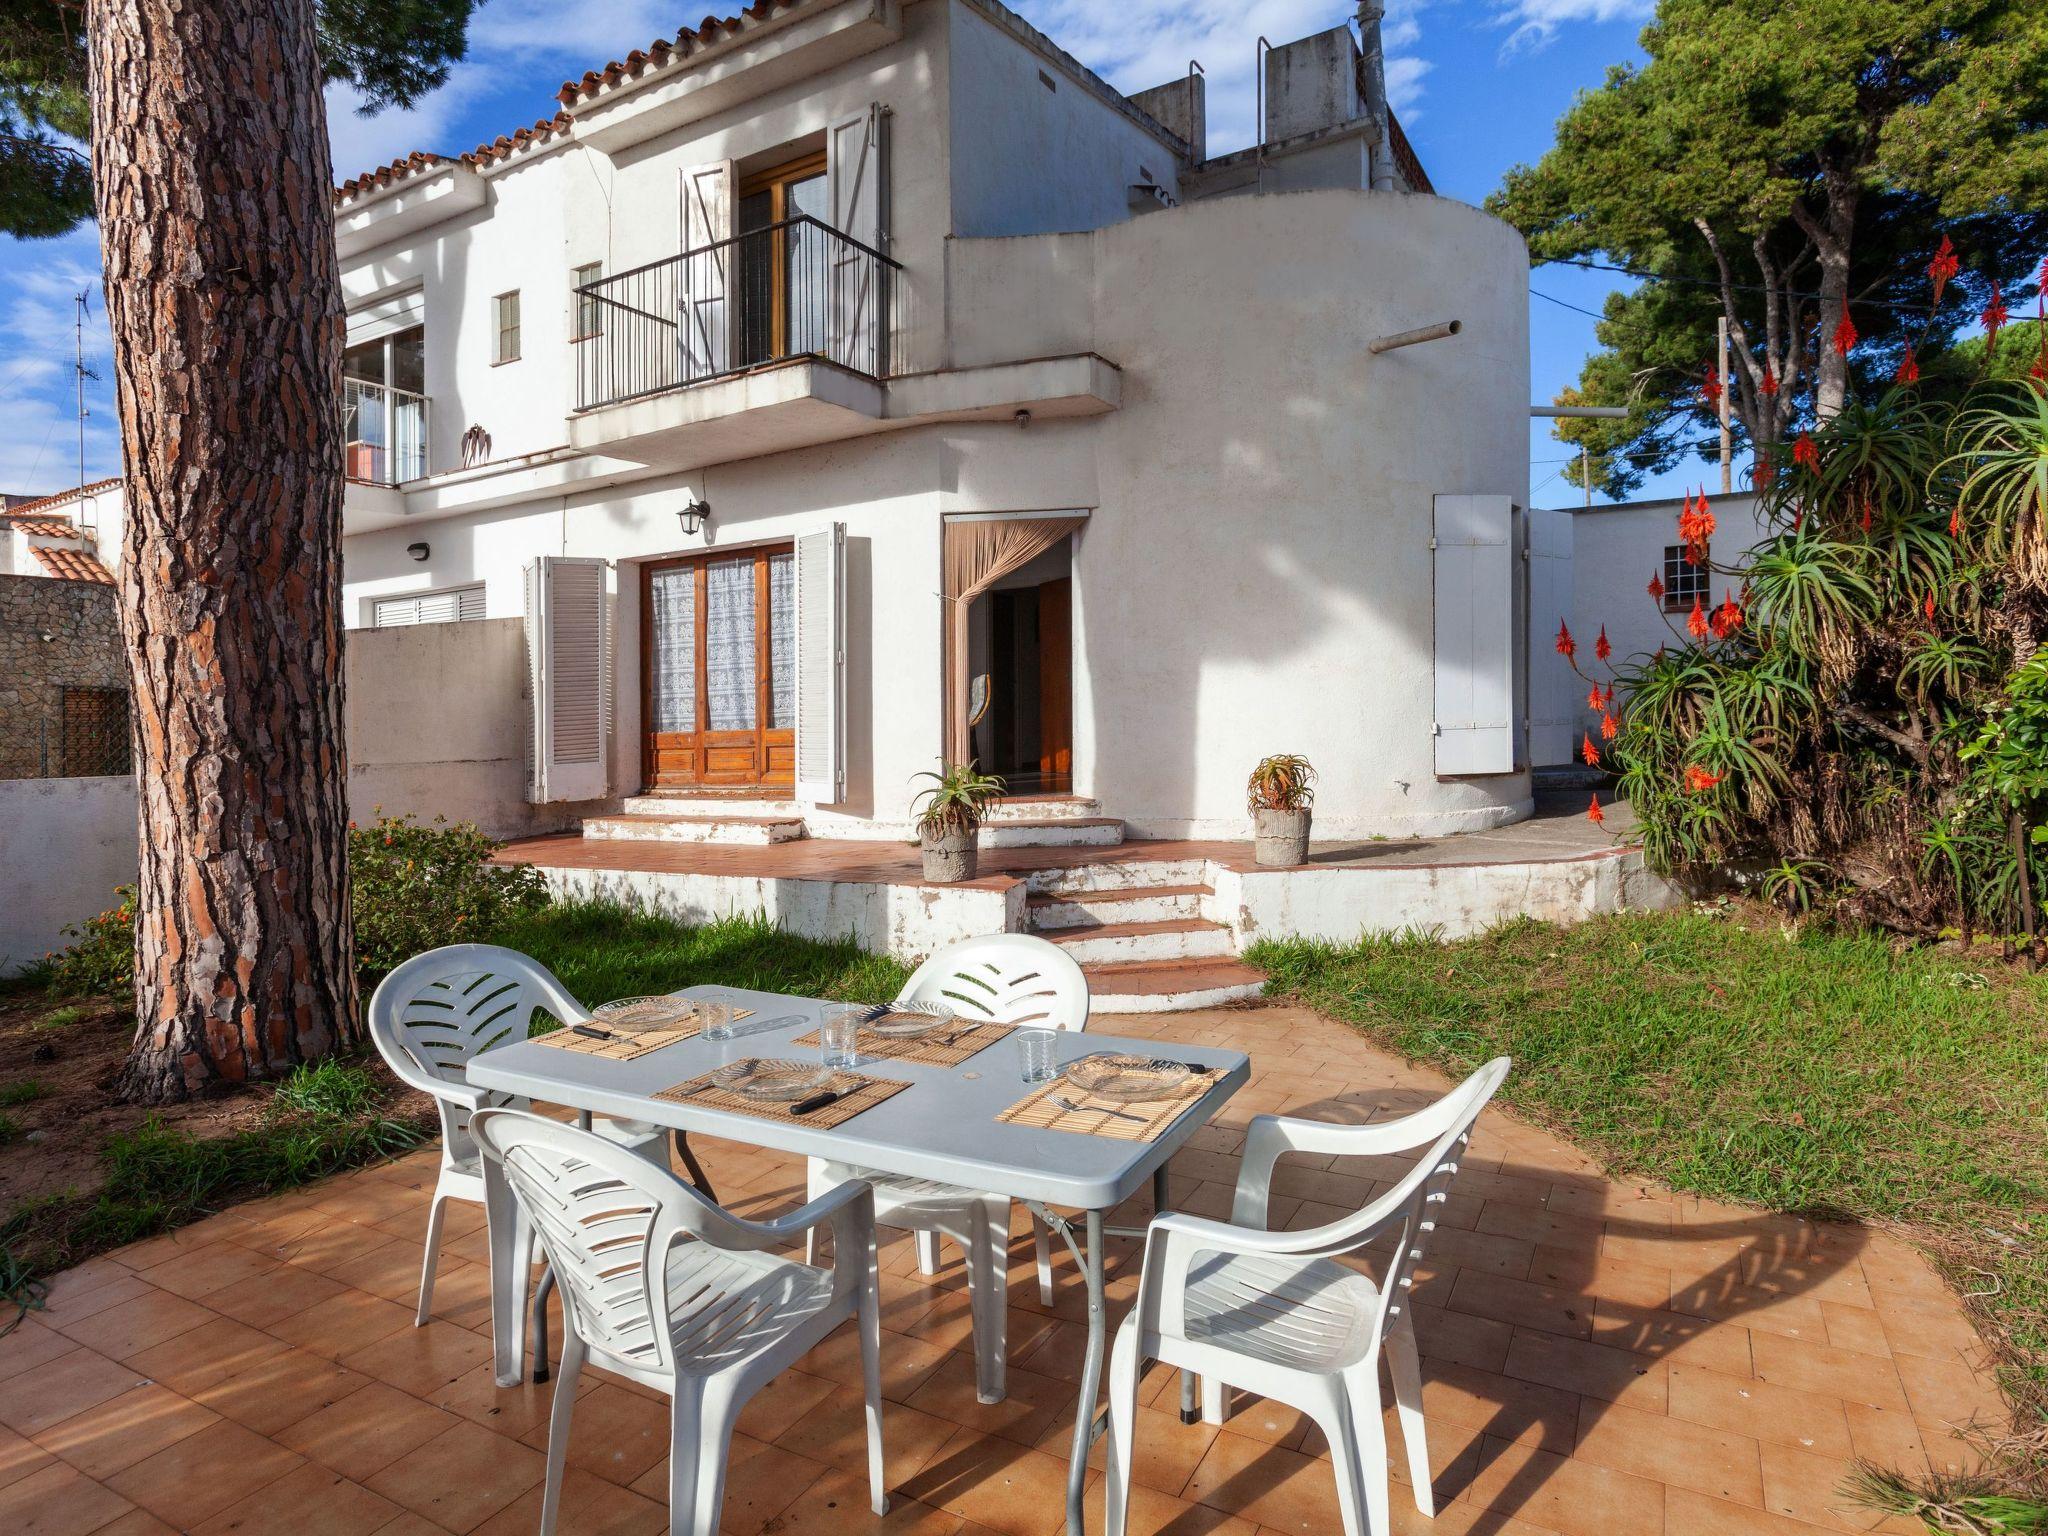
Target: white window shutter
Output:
[
  {"x": 1556, "y": 704},
  {"x": 1474, "y": 584},
  {"x": 705, "y": 319},
  {"x": 857, "y": 188},
  {"x": 569, "y": 656},
  {"x": 821, "y": 665}
]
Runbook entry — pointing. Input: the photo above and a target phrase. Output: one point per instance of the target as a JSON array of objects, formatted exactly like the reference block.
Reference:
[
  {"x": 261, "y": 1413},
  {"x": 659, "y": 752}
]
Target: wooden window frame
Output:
[
  {"x": 1683, "y": 581},
  {"x": 499, "y": 356},
  {"x": 586, "y": 316},
  {"x": 776, "y": 181}
]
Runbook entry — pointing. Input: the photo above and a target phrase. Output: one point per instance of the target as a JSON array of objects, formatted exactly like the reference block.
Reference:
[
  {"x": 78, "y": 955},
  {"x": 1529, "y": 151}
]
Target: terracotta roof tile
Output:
[
  {"x": 504, "y": 146},
  {"x": 398, "y": 170},
  {"x": 72, "y": 565},
  {"x": 73, "y": 494},
  {"x": 689, "y": 40},
  {"x": 45, "y": 527}
]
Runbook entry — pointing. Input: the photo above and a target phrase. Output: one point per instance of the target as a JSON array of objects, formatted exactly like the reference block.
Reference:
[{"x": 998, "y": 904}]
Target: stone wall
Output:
[{"x": 56, "y": 635}]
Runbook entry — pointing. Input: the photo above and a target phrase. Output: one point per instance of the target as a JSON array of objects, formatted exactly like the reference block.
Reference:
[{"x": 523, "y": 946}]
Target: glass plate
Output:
[
  {"x": 909, "y": 1021},
  {"x": 640, "y": 1015},
  {"x": 772, "y": 1081},
  {"x": 1126, "y": 1079}
]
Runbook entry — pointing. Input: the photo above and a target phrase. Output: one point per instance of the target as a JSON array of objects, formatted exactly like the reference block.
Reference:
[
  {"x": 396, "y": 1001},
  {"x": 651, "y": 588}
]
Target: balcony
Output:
[
  {"x": 385, "y": 431},
  {"x": 791, "y": 292}
]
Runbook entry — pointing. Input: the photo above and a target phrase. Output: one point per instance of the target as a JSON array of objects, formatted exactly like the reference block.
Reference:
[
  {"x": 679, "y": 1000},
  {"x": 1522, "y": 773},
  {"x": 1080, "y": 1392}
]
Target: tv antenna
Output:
[{"x": 81, "y": 303}]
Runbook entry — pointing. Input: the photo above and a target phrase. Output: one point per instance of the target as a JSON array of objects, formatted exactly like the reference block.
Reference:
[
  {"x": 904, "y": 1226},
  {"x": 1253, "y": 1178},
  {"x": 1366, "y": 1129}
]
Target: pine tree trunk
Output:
[{"x": 212, "y": 180}]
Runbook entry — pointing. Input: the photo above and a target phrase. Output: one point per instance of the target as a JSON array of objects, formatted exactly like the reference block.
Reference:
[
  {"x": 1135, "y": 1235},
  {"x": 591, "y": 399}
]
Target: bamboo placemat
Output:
[
  {"x": 938, "y": 1049},
  {"x": 629, "y": 1047},
  {"x": 870, "y": 1092},
  {"x": 1093, "y": 1117}
]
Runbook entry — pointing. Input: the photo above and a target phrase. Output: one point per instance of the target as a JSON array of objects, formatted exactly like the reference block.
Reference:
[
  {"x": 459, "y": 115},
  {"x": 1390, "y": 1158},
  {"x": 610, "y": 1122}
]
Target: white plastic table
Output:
[{"x": 944, "y": 1128}]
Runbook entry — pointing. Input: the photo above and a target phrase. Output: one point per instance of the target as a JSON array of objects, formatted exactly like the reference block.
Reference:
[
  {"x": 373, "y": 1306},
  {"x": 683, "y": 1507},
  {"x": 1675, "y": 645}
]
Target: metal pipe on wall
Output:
[
  {"x": 1372, "y": 75},
  {"x": 1437, "y": 332}
]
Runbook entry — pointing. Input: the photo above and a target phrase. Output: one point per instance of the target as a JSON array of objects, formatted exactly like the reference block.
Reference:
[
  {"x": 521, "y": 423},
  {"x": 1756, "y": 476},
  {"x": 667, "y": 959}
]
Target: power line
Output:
[
  {"x": 1560, "y": 303},
  {"x": 1705, "y": 282}
]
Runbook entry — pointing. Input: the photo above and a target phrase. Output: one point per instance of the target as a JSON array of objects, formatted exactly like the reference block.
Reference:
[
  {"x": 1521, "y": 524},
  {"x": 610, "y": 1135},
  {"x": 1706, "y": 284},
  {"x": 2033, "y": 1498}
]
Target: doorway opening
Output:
[
  {"x": 718, "y": 670},
  {"x": 1021, "y": 670}
]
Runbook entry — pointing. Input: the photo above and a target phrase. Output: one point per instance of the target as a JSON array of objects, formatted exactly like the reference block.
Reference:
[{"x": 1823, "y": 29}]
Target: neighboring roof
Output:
[
  {"x": 414, "y": 164},
  {"x": 689, "y": 40},
  {"x": 43, "y": 527},
  {"x": 504, "y": 146},
  {"x": 72, "y": 565},
  {"x": 22, "y": 509}
]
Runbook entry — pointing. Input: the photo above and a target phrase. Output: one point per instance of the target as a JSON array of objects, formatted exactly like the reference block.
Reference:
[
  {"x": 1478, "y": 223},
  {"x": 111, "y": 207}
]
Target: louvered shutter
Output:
[
  {"x": 568, "y": 643},
  {"x": 821, "y": 665},
  {"x": 857, "y": 187},
  {"x": 1474, "y": 591},
  {"x": 448, "y": 607},
  {"x": 706, "y": 314},
  {"x": 1556, "y": 702}
]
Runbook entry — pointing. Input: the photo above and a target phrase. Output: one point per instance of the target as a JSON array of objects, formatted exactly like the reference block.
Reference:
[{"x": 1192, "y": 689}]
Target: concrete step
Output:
[
  {"x": 1051, "y": 911},
  {"x": 1117, "y": 874},
  {"x": 708, "y": 805},
  {"x": 1180, "y": 938},
  {"x": 1070, "y": 832},
  {"x": 1169, "y": 986},
  {"x": 1042, "y": 808},
  {"x": 680, "y": 827}
]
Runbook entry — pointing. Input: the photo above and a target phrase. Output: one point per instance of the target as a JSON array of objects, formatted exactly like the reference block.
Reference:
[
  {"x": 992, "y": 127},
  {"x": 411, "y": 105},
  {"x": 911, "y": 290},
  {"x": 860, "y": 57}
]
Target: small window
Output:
[
  {"x": 1683, "y": 581},
  {"x": 587, "y": 319},
  {"x": 95, "y": 732},
  {"x": 508, "y": 328},
  {"x": 452, "y": 606}
]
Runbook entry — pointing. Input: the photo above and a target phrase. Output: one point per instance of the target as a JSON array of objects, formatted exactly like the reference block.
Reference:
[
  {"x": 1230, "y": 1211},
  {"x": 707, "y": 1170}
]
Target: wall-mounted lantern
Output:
[{"x": 694, "y": 514}]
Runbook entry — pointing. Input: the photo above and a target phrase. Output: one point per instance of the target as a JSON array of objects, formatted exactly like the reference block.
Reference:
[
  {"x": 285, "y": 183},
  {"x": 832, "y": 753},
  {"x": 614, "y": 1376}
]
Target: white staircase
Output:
[
  {"x": 1049, "y": 821},
  {"x": 1145, "y": 934},
  {"x": 735, "y": 823}
]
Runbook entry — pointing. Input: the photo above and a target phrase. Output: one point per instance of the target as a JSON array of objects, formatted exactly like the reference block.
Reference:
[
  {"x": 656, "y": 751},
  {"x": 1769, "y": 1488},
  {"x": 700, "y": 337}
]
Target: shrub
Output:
[
  {"x": 418, "y": 886},
  {"x": 101, "y": 959}
]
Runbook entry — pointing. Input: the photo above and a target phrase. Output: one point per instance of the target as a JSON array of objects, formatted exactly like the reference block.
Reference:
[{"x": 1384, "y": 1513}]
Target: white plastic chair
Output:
[
  {"x": 664, "y": 1288},
  {"x": 430, "y": 1017},
  {"x": 1275, "y": 1314},
  {"x": 1007, "y": 978}
]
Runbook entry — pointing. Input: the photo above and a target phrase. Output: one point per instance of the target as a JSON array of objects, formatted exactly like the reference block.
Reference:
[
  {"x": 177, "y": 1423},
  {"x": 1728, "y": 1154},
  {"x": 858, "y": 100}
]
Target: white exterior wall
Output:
[{"x": 65, "y": 844}]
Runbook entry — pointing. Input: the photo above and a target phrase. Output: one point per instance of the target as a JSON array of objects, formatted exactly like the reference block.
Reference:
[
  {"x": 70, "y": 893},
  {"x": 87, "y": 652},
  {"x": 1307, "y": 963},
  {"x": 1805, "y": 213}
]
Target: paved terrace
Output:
[{"x": 1600, "y": 1360}]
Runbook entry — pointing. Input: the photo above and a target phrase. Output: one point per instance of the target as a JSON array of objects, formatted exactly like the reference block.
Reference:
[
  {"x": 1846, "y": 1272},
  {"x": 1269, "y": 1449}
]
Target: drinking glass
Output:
[
  {"x": 839, "y": 1035},
  {"x": 1034, "y": 1054},
  {"x": 718, "y": 1019}
]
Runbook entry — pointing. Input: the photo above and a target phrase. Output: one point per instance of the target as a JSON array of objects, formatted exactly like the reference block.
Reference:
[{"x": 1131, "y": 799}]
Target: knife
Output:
[
  {"x": 591, "y": 1032},
  {"x": 818, "y": 1101},
  {"x": 1194, "y": 1067}
]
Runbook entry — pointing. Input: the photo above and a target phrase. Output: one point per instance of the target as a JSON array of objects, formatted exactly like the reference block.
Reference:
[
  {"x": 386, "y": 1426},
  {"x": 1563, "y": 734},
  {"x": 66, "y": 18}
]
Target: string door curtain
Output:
[{"x": 979, "y": 552}]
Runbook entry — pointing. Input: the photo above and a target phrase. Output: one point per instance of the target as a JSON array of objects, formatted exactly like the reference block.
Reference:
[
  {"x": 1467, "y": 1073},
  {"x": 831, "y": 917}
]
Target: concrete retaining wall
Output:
[{"x": 64, "y": 845}]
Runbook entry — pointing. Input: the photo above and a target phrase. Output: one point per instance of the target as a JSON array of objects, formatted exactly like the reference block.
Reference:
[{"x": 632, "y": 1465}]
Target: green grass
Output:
[
  {"x": 1817, "y": 1073},
  {"x": 601, "y": 952},
  {"x": 59, "y": 1018},
  {"x": 22, "y": 1091}
]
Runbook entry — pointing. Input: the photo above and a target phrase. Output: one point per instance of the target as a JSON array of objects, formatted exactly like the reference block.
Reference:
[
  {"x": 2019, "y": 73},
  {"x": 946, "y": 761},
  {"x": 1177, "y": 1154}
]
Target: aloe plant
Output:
[
  {"x": 959, "y": 796},
  {"x": 1283, "y": 782}
]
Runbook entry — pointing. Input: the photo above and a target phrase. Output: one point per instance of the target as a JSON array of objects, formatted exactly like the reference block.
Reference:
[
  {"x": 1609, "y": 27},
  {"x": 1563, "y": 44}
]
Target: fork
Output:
[{"x": 1091, "y": 1109}]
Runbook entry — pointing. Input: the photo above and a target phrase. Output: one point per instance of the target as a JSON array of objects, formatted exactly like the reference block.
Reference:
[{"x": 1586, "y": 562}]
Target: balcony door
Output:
[
  {"x": 718, "y": 669},
  {"x": 384, "y": 407},
  {"x": 782, "y": 262}
]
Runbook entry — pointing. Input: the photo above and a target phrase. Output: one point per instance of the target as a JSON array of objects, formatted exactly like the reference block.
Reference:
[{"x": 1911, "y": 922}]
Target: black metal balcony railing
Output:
[{"x": 796, "y": 289}]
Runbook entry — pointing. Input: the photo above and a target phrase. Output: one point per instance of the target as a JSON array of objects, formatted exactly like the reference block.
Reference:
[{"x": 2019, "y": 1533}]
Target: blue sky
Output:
[{"x": 1478, "y": 85}]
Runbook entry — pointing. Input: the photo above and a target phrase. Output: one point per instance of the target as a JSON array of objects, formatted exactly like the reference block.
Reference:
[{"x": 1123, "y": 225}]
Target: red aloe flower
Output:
[
  {"x": 1608, "y": 702},
  {"x": 1696, "y": 621},
  {"x": 1593, "y": 812},
  {"x": 1995, "y": 315},
  {"x": 1593, "y": 697},
  {"x": 1944, "y": 266},
  {"x": 1655, "y": 589},
  {"x": 1845, "y": 331},
  {"x": 1909, "y": 368},
  {"x": 1588, "y": 751},
  {"x": 1698, "y": 779},
  {"x": 1864, "y": 520},
  {"x": 1955, "y": 522},
  {"x": 1710, "y": 391},
  {"x": 1928, "y": 607},
  {"x": 1609, "y": 727},
  {"x": 2037, "y": 375},
  {"x": 1768, "y": 384},
  {"x": 1566, "y": 646},
  {"x": 1726, "y": 619},
  {"x": 1765, "y": 472},
  {"x": 1806, "y": 452},
  {"x": 1601, "y": 648}
]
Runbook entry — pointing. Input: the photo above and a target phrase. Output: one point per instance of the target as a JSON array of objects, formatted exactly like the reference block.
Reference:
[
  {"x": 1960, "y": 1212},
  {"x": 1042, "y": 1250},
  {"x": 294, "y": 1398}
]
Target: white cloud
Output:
[
  {"x": 38, "y": 342},
  {"x": 1535, "y": 22}
]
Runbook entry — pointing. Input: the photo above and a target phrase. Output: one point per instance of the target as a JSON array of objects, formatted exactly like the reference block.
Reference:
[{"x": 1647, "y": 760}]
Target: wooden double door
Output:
[{"x": 718, "y": 670}]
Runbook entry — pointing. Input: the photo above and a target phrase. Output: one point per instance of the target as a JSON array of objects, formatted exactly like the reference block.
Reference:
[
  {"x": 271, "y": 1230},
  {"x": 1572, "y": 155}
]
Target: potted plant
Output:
[
  {"x": 949, "y": 817},
  {"x": 1281, "y": 791}
]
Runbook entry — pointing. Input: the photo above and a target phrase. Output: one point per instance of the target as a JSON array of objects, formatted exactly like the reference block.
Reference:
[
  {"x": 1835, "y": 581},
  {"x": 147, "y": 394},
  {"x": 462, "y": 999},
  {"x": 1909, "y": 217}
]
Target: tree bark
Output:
[{"x": 212, "y": 182}]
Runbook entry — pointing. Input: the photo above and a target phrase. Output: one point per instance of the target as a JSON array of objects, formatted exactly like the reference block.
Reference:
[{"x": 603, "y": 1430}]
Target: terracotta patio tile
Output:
[
  {"x": 1575, "y": 1498},
  {"x": 614, "y": 1434},
  {"x": 1032, "y": 1404},
  {"x": 833, "y": 1431},
  {"x": 1276, "y": 1487},
  {"x": 1152, "y": 1513},
  {"x": 280, "y": 1390},
  {"x": 58, "y": 1388},
  {"x": 1887, "y": 1437},
  {"x": 1695, "y": 1514},
  {"x": 1805, "y": 1487},
  {"x": 156, "y": 1250},
  {"x": 1164, "y": 1458},
  {"x": 131, "y": 1326},
  {"x": 1823, "y": 1369},
  {"x": 311, "y": 1499},
  {"x": 1674, "y": 1451},
  {"x": 906, "y": 1362},
  {"x": 204, "y": 1473},
  {"x": 1763, "y": 1410},
  {"x": 1551, "y": 1309},
  {"x": 1591, "y": 1370},
  {"x": 590, "y": 1506},
  {"x": 59, "y": 1500},
  {"x": 1948, "y": 1393},
  {"x": 1476, "y": 1341},
  {"x": 461, "y": 1477},
  {"x": 198, "y": 1274},
  {"x": 1264, "y": 1420},
  {"x": 123, "y": 1430},
  {"x": 274, "y": 1295},
  {"x": 1930, "y": 1335},
  {"x": 1667, "y": 1335},
  {"x": 28, "y": 1344},
  {"x": 344, "y": 1324},
  {"x": 422, "y": 1361},
  {"x": 19, "y": 1456},
  {"x": 476, "y": 1396},
  {"x": 1855, "y": 1328},
  {"x": 204, "y": 1355},
  {"x": 91, "y": 1287},
  {"x": 1585, "y": 1270},
  {"x": 1505, "y": 1406},
  {"x": 137, "y": 1522},
  {"x": 364, "y": 1432},
  {"x": 761, "y": 1481}
]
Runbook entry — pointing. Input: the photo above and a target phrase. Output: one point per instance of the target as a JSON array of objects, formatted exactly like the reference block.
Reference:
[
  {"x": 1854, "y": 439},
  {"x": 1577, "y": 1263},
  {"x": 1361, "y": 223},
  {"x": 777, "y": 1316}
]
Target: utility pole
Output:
[
  {"x": 1727, "y": 438},
  {"x": 1586, "y": 474}
]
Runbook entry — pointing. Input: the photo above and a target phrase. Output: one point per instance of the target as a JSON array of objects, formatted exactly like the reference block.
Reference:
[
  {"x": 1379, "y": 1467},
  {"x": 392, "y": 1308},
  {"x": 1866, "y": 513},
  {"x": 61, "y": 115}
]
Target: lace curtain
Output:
[
  {"x": 782, "y": 642},
  {"x": 674, "y": 595},
  {"x": 729, "y": 633}
]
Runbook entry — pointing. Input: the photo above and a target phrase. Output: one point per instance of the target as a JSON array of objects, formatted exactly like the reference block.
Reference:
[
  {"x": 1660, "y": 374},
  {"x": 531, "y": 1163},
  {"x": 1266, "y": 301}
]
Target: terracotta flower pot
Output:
[
  {"x": 949, "y": 857},
  {"x": 1279, "y": 838}
]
